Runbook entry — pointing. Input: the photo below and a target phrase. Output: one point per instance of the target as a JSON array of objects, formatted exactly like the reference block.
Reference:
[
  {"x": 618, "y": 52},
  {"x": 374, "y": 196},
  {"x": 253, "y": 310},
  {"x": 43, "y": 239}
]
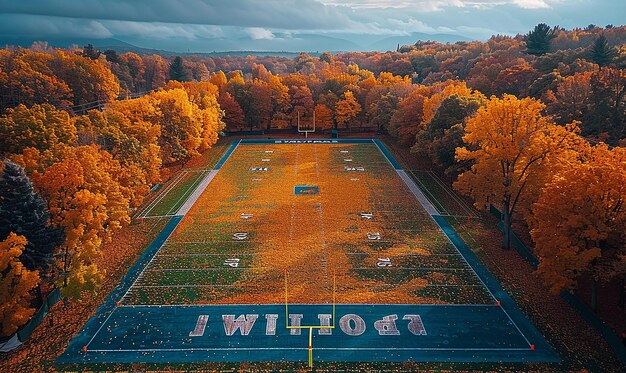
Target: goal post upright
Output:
[
  {"x": 310, "y": 327},
  {"x": 308, "y": 129}
]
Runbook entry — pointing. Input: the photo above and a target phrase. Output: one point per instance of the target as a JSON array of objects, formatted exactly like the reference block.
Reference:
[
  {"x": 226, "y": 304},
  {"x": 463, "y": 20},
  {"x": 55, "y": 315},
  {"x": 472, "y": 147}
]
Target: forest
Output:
[{"x": 534, "y": 124}]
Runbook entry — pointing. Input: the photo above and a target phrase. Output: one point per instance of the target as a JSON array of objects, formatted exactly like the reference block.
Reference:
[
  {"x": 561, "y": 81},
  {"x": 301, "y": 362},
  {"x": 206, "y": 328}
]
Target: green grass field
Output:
[
  {"x": 397, "y": 256},
  {"x": 171, "y": 196}
]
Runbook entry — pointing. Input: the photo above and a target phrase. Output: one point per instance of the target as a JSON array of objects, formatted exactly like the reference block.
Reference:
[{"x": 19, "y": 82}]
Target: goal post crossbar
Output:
[
  {"x": 310, "y": 327},
  {"x": 307, "y": 130}
]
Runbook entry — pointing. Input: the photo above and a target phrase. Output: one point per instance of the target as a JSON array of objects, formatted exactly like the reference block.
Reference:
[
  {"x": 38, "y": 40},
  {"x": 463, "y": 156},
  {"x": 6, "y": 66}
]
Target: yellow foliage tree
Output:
[
  {"x": 347, "y": 109},
  {"x": 84, "y": 197},
  {"x": 16, "y": 282},
  {"x": 40, "y": 126},
  {"x": 181, "y": 124},
  {"x": 510, "y": 144}
]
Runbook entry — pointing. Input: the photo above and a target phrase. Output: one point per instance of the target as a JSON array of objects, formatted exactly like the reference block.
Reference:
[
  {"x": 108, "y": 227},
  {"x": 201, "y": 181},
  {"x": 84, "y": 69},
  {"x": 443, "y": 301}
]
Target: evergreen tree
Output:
[
  {"x": 90, "y": 52},
  {"x": 601, "y": 53},
  {"x": 112, "y": 56},
  {"x": 24, "y": 212},
  {"x": 538, "y": 40},
  {"x": 178, "y": 70}
]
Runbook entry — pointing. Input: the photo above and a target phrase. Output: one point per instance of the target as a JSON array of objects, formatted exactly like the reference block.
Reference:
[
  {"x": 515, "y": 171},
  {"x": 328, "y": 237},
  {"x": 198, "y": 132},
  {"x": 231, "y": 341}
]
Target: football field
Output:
[{"x": 283, "y": 235}]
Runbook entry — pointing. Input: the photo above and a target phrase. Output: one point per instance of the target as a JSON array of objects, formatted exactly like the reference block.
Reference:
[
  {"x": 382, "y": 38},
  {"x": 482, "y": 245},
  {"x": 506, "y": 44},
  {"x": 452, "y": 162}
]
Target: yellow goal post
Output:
[{"x": 310, "y": 327}]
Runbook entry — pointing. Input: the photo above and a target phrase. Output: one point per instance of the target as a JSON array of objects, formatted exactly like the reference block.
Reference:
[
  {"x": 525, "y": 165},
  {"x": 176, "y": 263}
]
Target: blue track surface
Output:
[{"x": 230, "y": 150}]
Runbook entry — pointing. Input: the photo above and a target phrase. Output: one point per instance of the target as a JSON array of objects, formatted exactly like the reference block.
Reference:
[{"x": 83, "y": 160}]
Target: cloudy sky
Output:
[{"x": 293, "y": 25}]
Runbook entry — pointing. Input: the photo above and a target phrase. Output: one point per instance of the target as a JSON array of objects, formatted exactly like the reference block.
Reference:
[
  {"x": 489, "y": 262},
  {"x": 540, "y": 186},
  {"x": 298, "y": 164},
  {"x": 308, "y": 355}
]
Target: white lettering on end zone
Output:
[
  {"x": 270, "y": 327},
  {"x": 345, "y": 323},
  {"x": 198, "y": 331},
  {"x": 242, "y": 323},
  {"x": 416, "y": 326},
  {"x": 295, "y": 320},
  {"x": 387, "y": 326},
  {"x": 324, "y": 321},
  {"x": 350, "y": 324}
]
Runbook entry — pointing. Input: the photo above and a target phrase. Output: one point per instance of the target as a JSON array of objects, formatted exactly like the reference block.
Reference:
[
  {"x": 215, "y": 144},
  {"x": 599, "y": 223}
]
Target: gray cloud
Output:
[
  {"x": 282, "y": 14},
  {"x": 215, "y": 24},
  {"x": 38, "y": 26}
]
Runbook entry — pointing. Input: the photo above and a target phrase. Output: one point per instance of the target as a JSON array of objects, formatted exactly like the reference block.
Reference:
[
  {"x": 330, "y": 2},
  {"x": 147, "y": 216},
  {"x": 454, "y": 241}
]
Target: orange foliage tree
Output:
[
  {"x": 84, "y": 197},
  {"x": 510, "y": 143},
  {"x": 406, "y": 120},
  {"x": 90, "y": 80},
  {"x": 347, "y": 109},
  {"x": 579, "y": 223},
  {"x": 323, "y": 117},
  {"x": 16, "y": 282},
  {"x": 233, "y": 115}
]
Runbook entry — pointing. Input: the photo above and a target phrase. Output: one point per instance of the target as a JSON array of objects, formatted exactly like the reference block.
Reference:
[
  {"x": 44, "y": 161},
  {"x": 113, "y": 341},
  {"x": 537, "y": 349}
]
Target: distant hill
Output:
[
  {"x": 283, "y": 45},
  {"x": 391, "y": 43}
]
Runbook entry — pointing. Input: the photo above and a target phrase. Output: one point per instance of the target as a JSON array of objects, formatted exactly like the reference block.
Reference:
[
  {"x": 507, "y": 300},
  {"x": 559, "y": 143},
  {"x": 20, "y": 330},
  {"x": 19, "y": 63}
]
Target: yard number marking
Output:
[
  {"x": 234, "y": 262},
  {"x": 383, "y": 262},
  {"x": 373, "y": 236},
  {"x": 240, "y": 236}
]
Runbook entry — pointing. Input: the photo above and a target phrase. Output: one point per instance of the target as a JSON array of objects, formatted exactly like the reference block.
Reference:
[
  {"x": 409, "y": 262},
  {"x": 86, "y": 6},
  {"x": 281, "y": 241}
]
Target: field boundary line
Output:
[{"x": 193, "y": 197}]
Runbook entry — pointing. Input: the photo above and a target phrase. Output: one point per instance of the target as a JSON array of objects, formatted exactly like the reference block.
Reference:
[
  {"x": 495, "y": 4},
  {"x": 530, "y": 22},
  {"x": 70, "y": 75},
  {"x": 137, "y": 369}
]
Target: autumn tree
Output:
[
  {"x": 219, "y": 79},
  {"x": 509, "y": 142},
  {"x": 24, "y": 212},
  {"x": 572, "y": 98},
  {"x": 90, "y": 81},
  {"x": 86, "y": 199},
  {"x": 26, "y": 78},
  {"x": 41, "y": 127},
  {"x": 347, "y": 109},
  {"x": 608, "y": 108},
  {"x": 301, "y": 104},
  {"x": 128, "y": 130},
  {"x": 156, "y": 70},
  {"x": 579, "y": 223},
  {"x": 443, "y": 134},
  {"x": 406, "y": 120},
  {"x": 16, "y": 283},
  {"x": 189, "y": 122},
  {"x": 516, "y": 79},
  {"x": 380, "y": 110},
  {"x": 233, "y": 114},
  {"x": 323, "y": 117},
  {"x": 256, "y": 102}
]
